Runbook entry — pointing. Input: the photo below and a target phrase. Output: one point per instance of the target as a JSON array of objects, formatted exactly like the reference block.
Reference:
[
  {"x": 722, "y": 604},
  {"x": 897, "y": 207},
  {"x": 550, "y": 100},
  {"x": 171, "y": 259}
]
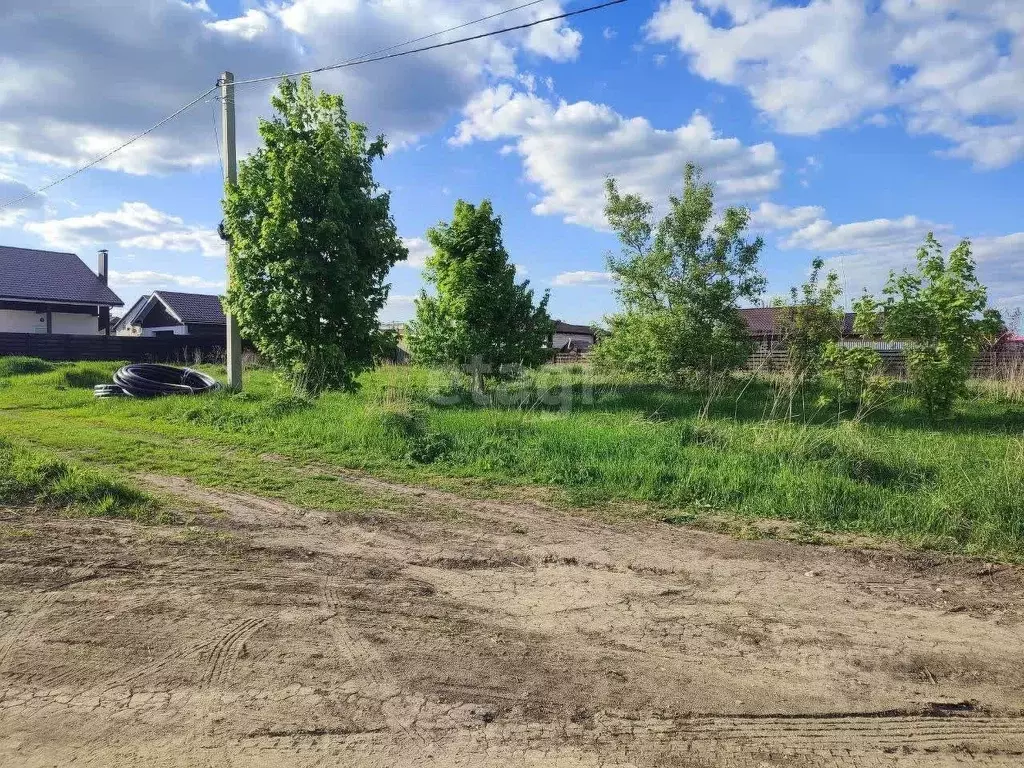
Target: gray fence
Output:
[{"x": 132, "y": 349}]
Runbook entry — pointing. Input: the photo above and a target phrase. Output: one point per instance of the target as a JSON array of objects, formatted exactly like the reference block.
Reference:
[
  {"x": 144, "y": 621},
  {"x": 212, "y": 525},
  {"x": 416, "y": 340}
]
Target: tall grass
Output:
[
  {"x": 753, "y": 447},
  {"x": 30, "y": 477}
]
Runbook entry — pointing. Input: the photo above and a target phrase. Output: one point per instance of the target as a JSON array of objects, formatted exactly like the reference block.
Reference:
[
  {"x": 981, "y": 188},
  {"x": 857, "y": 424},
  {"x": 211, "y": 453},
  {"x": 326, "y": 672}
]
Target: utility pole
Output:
[{"x": 227, "y": 104}]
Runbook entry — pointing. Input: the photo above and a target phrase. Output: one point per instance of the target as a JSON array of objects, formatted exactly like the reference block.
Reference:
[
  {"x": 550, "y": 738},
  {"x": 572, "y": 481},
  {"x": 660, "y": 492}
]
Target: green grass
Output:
[
  {"x": 31, "y": 477},
  {"x": 751, "y": 452}
]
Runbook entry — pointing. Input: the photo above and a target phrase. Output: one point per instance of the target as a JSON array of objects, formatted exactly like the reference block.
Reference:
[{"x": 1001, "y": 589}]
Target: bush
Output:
[{"x": 852, "y": 377}]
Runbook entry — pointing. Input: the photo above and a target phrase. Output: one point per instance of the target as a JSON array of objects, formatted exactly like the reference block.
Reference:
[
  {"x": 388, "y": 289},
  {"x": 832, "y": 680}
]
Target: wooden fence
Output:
[
  {"x": 131, "y": 349},
  {"x": 992, "y": 363}
]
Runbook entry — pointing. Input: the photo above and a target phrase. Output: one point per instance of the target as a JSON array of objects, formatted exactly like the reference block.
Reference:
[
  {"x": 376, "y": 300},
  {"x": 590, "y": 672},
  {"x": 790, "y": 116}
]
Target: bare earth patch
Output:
[{"x": 509, "y": 634}]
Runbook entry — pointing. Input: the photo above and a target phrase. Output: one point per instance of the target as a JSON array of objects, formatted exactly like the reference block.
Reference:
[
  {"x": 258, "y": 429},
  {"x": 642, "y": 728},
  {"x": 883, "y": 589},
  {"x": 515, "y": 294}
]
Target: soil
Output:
[{"x": 475, "y": 633}]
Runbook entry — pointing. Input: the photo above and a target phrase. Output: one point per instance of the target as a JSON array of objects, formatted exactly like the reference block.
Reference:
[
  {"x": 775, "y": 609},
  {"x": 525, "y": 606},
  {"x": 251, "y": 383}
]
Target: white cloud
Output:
[
  {"x": 943, "y": 64},
  {"x": 399, "y": 307},
  {"x": 132, "y": 225},
  {"x": 774, "y": 216},
  {"x": 582, "y": 277},
  {"x": 608, "y": 33},
  {"x": 863, "y": 253},
  {"x": 254, "y": 23},
  {"x": 569, "y": 149},
  {"x": 151, "y": 281},
  {"x": 556, "y": 42},
  {"x": 78, "y": 78},
  {"x": 419, "y": 250}
]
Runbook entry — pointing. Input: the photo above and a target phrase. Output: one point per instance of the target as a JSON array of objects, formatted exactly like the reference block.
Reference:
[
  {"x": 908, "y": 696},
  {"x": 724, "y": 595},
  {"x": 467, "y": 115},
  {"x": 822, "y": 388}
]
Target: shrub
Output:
[{"x": 853, "y": 377}]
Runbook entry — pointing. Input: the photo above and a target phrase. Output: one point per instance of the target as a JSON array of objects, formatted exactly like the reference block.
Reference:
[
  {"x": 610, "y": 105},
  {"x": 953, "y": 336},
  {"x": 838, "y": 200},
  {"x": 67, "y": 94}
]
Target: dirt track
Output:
[{"x": 513, "y": 636}]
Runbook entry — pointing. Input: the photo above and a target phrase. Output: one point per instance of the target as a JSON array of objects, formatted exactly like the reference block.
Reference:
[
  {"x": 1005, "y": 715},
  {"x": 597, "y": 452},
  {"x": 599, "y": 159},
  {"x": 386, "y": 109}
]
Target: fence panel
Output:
[{"x": 133, "y": 349}]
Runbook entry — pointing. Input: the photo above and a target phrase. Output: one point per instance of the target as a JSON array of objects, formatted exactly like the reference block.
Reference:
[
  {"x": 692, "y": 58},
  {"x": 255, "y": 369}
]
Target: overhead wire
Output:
[
  {"x": 398, "y": 54},
  {"x": 379, "y": 55}
]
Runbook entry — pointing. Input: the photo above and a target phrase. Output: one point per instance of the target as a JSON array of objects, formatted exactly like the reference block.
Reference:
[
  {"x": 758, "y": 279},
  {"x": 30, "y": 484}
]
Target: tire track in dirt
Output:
[
  {"x": 32, "y": 611},
  {"x": 354, "y": 651},
  {"x": 223, "y": 653}
]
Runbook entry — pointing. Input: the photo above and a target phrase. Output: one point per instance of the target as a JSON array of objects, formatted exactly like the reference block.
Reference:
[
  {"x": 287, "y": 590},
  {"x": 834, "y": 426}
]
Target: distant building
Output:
[
  {"x": 572, "y": 338},
  {"x": 171, "y": 313},
  {"x": 52, "y": 292}
]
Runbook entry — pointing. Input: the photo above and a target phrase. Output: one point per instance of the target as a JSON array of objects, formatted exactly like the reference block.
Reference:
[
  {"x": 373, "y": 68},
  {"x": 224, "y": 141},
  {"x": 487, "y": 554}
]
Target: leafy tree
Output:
[
  {"x": 480, "y": 315},
  {"x": 940, "y": 310},
  {"x": 312, "y": 240},
  {"x": 811, "y": 321},
  {"x": 679, "y": 284}
]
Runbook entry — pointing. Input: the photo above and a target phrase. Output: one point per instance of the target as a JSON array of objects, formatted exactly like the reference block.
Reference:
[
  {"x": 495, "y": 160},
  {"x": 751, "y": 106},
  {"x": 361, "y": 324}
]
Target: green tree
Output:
[
  {"x": 312, "y": 239},
  {"x": 479, "y": 315},
  {"x": 854, "y": 377},
  {"x": 940, "y": 310},
  {"x": 679, "y": 284},
  {"x": 811, "y": 321}
]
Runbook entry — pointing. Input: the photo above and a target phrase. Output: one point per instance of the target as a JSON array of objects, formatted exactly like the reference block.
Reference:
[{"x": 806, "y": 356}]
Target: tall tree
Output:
[
  {"x": 941, "y": 310},
  {"x": 478, "y": 314},
  {"x": 313, "y": 240},
  {"x": 680, "y": 283}
]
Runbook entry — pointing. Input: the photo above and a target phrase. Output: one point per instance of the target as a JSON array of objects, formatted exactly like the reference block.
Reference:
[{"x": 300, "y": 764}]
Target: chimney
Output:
[{"x": 101, "y": 269}]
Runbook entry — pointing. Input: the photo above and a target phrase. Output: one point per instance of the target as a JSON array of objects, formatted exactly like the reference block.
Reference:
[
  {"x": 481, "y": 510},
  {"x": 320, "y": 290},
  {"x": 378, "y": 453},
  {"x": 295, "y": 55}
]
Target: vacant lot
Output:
[
  {"x": 481, "y": 633},
  {"x": 400, "y": 577},
  {"x": 750, "y": 452}
]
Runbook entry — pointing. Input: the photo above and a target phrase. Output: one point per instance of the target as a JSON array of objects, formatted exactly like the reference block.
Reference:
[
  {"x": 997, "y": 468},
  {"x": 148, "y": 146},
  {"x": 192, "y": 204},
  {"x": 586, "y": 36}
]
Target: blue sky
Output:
[{"x": 849, "y": 127}]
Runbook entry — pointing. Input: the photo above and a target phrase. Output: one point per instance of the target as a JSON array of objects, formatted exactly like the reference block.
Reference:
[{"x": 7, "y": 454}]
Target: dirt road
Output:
[{"x": 512, "y": 635}]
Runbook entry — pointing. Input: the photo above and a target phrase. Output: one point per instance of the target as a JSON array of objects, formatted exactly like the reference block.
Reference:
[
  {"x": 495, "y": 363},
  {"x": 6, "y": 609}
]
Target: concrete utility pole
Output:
[{"x": 227, "y": 104}]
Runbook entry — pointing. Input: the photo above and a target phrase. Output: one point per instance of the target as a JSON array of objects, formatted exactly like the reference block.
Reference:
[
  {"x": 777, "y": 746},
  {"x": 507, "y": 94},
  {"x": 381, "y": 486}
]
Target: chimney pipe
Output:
[{"x": 101, "y": 270}]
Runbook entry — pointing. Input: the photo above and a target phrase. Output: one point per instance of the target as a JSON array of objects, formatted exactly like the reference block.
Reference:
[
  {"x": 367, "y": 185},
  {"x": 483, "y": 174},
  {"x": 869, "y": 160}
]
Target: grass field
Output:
[{"x": 749, "y": 452}]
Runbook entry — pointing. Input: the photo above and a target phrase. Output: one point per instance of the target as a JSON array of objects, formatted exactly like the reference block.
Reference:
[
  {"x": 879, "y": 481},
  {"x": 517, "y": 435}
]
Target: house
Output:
[
  {"x": 572, "y": 338},
  {"x": 172, "y": 313},
  {"x": 51, "y": 292},
  {"x": 765, "y": 325}
]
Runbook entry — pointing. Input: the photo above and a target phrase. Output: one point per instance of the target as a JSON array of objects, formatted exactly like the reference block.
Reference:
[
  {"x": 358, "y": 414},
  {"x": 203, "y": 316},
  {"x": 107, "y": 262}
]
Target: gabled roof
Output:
[
  {"x": 767, "y": 321},
  {"x": 27, "y": 274},
  {"x": 130, "y": 316},
  {"x": 188, "y": 308},
  {"x": 561, "y": 327},
  {"x": 192, "y": 308}
]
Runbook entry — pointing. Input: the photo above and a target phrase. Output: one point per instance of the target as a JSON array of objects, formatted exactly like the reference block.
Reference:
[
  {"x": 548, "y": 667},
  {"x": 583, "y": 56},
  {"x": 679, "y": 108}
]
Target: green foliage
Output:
[
  {"x": 20, "y": 366},
  {"x": 30, "y": 477},
  {"x": 478, "y": 311},
  {"x": 679, "y": 285},
  {"x": 811, "y": 321},
  {"x": 853, "y": 377},
  {"x": 312, "y": 240},
  {"x": 940, "y": 309}
]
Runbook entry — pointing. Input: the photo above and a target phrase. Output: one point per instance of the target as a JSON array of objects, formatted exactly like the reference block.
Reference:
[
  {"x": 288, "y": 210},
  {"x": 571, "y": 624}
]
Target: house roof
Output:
[
  {"x": 561, "y": 327},
  {"x": 27, "y": 274},
  {"x": 191, "y": 308},
  {"x": 767, "y": 321},
  {"x": 188, "y": 308}
]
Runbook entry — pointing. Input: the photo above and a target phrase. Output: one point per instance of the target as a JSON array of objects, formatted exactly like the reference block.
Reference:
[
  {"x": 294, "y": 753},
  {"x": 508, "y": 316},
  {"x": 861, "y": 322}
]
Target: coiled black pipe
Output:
[{"x": 152, "y": 380}]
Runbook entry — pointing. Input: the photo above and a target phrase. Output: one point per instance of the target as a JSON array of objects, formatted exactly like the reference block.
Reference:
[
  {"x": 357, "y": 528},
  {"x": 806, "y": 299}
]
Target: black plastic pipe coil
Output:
[{"x": 152, "y": 380}]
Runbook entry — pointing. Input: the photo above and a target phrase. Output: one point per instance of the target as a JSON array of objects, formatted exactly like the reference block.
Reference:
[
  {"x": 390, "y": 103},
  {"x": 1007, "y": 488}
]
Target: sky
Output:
[{"x": 849, "y": 128}]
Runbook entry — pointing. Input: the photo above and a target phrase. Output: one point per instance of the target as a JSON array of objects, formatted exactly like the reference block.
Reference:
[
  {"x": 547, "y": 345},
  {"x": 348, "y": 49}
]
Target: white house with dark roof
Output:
[
  {"x": 172, "y": 313},
  {"x": 51, "y": 292}
]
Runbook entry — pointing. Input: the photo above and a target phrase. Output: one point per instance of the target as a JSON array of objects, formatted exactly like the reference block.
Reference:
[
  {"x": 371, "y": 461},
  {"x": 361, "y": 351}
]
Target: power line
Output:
[
  {"x": 216, "y": 135},
  {"x": 366, "y": 59},
  {"x": 399, "y": 54},
  {"x": 115, "y": 150}
]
